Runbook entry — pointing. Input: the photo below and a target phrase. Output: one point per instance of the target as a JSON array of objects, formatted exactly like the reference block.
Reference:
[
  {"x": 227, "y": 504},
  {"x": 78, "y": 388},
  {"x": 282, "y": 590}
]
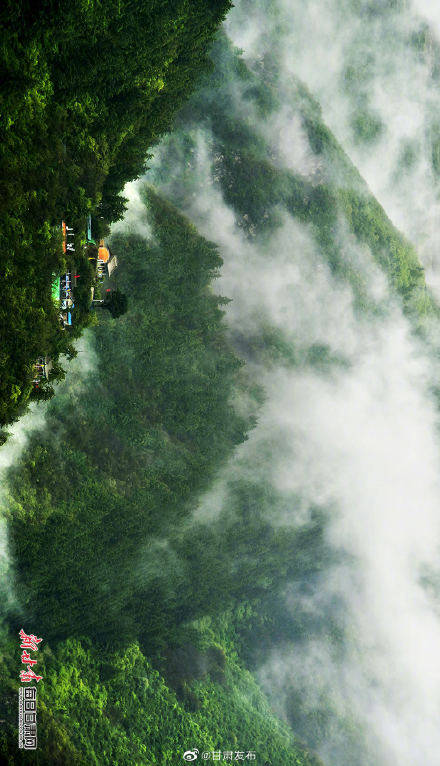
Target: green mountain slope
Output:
[
  {"x": 86, "y": 89},
  {"x": 153, "y": 618},
  {"x": 97, "y": 530},
  {"x": 234, "y": 107},
  {"x": 106, "y": 707}
]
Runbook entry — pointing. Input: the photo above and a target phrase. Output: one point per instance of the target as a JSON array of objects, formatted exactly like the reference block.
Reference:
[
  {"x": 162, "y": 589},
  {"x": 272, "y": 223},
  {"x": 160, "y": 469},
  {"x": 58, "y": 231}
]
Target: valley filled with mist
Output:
[{"x": 225, "y": 524}]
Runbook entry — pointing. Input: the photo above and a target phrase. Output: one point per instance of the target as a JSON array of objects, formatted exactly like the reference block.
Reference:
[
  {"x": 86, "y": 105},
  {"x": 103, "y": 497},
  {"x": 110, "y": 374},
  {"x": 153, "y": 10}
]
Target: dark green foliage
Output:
[
  {"x": 150, "y": 615},
  {"x": 147, "y": 434},
  {"x": 100, "y": 533},
  {"x": 131, "y": 715},
  {"x": 86, "y": 88},
  {"x": 256, "y": 568},
  {"x": 366, "y": 126},
  {"x": 116, "y": 303}
]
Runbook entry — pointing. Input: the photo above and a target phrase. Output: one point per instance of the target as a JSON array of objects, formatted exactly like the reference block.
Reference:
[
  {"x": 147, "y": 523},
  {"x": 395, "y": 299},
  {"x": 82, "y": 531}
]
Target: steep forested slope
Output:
[
  {"x": 152, "y": 566},
  {"x": 97, "y": 529},
  {"x": 116, "y": 708},
  {"x": 86, "y": 89},
  {"x": 239, "y": 107},
  {"x": 232, "y": 167},
  {"x": 154, "y": 423}
]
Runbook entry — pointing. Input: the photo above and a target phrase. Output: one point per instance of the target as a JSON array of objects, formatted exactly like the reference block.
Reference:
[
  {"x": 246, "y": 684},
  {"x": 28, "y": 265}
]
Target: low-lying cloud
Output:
[
  {"x": 373, "y": 68},
  {"x": 359, "y": 439}
]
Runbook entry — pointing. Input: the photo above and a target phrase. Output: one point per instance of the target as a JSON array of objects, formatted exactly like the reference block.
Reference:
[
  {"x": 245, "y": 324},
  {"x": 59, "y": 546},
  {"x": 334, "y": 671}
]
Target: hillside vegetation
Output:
[
  {"x": 87, "y": 87},
  {"x": 158, "y": 584},
  {"x": 139, "y": 664}
]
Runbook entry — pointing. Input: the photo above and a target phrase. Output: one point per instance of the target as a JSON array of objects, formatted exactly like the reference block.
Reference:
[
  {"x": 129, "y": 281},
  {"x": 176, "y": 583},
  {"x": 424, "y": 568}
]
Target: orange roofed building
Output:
[
  {"x": 106, "y": 261},
  {"x": 103, "y": 252}
]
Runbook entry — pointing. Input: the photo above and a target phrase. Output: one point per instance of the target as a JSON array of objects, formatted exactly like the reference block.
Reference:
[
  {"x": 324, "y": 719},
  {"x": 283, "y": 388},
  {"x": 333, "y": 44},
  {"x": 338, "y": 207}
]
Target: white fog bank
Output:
[{"x": 360, "y": 440}]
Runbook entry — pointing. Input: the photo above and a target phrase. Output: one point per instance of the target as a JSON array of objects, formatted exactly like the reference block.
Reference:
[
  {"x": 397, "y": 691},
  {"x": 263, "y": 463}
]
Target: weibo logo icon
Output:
[{"x": 190, "y": 755}]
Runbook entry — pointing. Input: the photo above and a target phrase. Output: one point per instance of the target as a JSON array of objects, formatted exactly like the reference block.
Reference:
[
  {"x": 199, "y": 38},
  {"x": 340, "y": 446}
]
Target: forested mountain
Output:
[
  {"x": 257, "y": 184},
  {"x": 87, "y": 88},
  {"x": 170, "y": 535},
  {"x": 253, "y": 161},
  {"x": 98, "y": 530}
]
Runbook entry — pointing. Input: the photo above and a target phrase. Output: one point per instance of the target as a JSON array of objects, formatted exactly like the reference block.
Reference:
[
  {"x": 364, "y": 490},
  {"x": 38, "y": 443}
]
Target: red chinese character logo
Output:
[
  {"x": 27, "y": 659},
  {"x": 28, "y": 675},
  {"x": 29, "y": 642}
]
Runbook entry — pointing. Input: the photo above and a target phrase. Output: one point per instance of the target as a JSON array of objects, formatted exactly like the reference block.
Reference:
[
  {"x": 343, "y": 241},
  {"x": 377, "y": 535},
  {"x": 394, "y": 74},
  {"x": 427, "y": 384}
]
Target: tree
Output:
[{"x": 115, "y": 301}]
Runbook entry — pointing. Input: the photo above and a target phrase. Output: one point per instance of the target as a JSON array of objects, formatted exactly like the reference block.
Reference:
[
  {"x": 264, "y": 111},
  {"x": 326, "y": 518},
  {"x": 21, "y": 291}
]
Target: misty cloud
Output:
[
  {"x": 358, "y": 439},
  {"x": 375, "y": 77},
  {"x": 135, "y": 217}
]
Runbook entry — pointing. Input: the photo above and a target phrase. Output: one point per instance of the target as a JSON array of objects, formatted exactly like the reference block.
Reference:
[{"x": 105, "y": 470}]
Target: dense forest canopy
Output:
[
  {"x": 87, "y": 88},
  {"x": 120, "y": 563}
]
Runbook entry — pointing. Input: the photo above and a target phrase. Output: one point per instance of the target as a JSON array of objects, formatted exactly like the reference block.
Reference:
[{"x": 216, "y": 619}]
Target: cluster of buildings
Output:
[
  {"x": 63, "y": 292},
  {"x": 63, "y": 287},
  {"x": 105, "y": 262}
]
